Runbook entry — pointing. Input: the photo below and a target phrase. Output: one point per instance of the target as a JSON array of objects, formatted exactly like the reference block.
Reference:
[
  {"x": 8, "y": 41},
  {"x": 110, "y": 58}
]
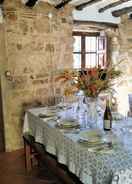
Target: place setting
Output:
[
  {"x": 48, "y": 115},
  {"x": 61, "y": 106},
  {"x": 95, "y": 141},
  {"x": 68, "y": 125}
]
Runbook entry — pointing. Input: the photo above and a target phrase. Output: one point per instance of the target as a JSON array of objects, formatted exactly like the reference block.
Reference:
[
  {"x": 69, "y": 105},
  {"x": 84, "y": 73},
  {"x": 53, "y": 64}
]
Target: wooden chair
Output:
[
  {"x": 34, "y": 152},
  {"x": 29, "y": 151}
]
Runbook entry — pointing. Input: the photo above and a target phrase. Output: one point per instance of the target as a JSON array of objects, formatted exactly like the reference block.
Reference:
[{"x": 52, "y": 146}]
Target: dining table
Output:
[{"x": 103, "y": 159}]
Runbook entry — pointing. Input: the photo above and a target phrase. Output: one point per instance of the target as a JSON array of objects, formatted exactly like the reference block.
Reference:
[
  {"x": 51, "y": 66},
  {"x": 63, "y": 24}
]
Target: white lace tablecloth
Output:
[{"x": 112, "y": 167}]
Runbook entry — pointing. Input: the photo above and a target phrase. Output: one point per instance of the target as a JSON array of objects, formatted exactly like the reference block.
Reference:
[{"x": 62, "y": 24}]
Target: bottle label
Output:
[{"x": 107, "y": 124}]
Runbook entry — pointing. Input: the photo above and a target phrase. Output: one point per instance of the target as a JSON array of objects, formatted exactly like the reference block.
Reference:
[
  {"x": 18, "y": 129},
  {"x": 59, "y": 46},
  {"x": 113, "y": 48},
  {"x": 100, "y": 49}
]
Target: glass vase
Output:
[{"x": 92, "y": 113}]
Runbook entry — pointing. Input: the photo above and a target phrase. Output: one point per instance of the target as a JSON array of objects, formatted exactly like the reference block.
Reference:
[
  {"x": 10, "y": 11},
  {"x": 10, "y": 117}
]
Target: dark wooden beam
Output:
[
  {"x": 83, "y": 5},
  {"x": 31, "y": 3},
  {"x": 78, "y": 33},
  {"x": 118, "y": 13},
  {"x": 102, "y": 24},
  {"x": 111, "y": 5},
  {"x": 130, "y": 16},
  {"x": 62, "y": 4},
  {"x": 1, "y": 1}
]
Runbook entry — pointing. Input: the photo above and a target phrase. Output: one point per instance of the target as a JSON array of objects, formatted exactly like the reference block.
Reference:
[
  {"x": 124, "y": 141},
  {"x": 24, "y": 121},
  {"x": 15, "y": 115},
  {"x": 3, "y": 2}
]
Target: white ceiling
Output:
[{"x": 90, "y": 13}]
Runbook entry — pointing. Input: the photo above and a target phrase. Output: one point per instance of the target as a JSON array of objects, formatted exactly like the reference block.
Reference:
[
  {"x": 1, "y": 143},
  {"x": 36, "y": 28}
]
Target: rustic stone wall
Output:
[
  {"x": 121, "y": 51},
  {"x": 33, "y": 46}
]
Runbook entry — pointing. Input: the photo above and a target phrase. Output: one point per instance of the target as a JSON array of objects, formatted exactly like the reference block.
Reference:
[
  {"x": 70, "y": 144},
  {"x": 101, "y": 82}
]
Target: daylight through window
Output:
[{"x": 89, "y": 50}]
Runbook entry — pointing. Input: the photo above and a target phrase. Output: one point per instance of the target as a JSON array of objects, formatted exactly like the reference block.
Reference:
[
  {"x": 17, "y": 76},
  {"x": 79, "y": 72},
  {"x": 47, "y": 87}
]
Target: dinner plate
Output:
[
  {"x": 61, "y": 105},
  {"x": 51, "y": 110},
  {"x": 68, "y": 124},
  {"x": 91, "y": 136}
]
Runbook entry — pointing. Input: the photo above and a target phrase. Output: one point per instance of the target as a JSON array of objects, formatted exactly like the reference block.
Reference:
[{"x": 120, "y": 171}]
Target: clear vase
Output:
[{"x": 92, "y": 113}]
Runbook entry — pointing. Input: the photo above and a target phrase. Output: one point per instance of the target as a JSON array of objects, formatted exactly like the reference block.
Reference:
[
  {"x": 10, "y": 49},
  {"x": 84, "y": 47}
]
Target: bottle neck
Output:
[
  {"x": 108, "y": 108},
  {"x": 107, "y": 103}
]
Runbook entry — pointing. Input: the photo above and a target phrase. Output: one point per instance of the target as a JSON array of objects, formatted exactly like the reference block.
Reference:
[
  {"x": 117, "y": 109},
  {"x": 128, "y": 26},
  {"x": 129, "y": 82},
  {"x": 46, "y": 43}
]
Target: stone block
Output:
[
  {"x": 58, "y": 91},
  {"x": 11, "y": 17},
  {"x": 42, "y": 92},
  {"x": 19, "y": 46},
  {"x": 23, "y": 26},
  {"x": 49, "y": 47},
  {"x": 38, "y": 82},
  {"x": 18, "y": 82}
]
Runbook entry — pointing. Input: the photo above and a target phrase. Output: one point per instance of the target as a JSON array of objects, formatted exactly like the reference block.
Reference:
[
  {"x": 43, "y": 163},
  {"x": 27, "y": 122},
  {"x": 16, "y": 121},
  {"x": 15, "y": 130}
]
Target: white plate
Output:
[
  {"x": 91, "y": 136},
  {"x": 68, "y": 124}
]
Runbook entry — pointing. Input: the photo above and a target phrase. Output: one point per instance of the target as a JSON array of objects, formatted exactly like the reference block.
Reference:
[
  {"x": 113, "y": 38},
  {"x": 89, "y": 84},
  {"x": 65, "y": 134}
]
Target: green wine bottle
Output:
[{"x": 107, "y": 117}]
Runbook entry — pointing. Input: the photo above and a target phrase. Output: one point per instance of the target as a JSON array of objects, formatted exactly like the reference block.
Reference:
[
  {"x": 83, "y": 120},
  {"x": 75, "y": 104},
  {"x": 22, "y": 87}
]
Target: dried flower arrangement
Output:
[{"x": 91, "y": 81}]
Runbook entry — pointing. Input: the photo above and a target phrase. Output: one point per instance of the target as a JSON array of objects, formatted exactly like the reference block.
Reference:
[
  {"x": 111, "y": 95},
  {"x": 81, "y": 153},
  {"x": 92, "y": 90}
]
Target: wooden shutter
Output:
[{"x": 101, "y": 51}]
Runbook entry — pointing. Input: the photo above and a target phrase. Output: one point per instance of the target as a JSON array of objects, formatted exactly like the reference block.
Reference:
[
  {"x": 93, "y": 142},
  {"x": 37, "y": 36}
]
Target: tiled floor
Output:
[{"x": 12, "y": 171}]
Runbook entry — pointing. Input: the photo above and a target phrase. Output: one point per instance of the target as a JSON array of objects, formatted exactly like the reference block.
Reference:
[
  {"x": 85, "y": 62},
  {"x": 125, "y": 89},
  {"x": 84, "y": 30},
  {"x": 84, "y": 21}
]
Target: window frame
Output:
[{"x": 83, "y": 51}]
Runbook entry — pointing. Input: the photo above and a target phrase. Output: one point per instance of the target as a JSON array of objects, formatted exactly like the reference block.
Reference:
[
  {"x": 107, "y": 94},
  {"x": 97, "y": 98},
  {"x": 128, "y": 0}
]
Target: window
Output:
[{"x": 89, "y": 50}]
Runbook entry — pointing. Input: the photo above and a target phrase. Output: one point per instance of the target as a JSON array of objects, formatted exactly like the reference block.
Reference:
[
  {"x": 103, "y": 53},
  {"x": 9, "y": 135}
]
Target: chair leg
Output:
[
  {"x": 30, "y": 157},
  {"x": 34, "y": 158},
  {"x": 28, "y": 160}
]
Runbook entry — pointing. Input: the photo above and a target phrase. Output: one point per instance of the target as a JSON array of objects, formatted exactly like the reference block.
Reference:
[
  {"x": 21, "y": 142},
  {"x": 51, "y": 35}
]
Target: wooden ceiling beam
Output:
[
  {"x": 62, "y": 4},
  {"x": 119, "y": 12},
  {"x": 31, "y": 3},
  {"x": 95, "y": 23},
  {"x": 130, "y": 16},
  {"x": 1, "y": 1},
  {"x": 89, "y": 3},
  {"x": 111, "y": 5}
]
